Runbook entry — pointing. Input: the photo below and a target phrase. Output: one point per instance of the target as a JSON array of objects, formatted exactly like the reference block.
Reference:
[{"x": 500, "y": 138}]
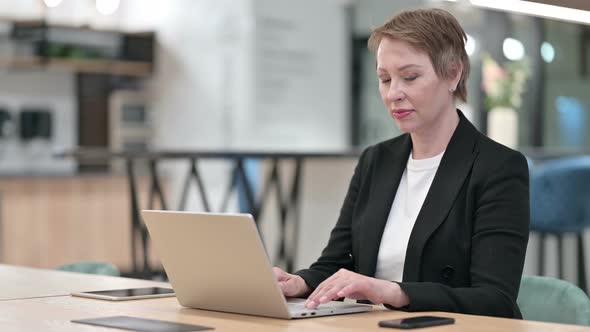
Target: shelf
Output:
[
  {"x": 78, "y": 49},
  {"x": 24, "y": 62},
  {"x": 111, "y": 67},
  {"x": 35, "y": 23}
]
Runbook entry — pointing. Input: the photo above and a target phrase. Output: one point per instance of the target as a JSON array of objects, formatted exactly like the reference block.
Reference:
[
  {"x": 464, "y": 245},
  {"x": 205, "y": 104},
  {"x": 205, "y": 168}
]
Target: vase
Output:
[{"x": 503, "y": 126}]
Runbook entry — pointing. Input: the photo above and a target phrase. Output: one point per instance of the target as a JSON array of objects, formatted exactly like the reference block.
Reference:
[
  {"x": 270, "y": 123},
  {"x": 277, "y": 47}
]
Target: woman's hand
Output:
[
  {"x": 356, "y": 286},
  {"x": 292, "y": 285}
]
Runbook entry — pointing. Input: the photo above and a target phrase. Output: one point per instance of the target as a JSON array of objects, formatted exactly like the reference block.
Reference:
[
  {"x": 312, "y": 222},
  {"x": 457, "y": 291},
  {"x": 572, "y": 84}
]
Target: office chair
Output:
[
  {"x": 89, "y": 267},
  {"x": 560, "y": 204},
  {"x": 553, "y": 300},
  {"x": 530, "y": 162}
]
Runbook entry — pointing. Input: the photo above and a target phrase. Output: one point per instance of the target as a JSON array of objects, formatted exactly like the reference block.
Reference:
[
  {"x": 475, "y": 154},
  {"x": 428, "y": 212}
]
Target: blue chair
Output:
[
  {"x": 560, "y": 204},
  {"x": 552, "y": 300},
  {"x": 530, "y": 162},
  {"x": 89, "y": 267}
]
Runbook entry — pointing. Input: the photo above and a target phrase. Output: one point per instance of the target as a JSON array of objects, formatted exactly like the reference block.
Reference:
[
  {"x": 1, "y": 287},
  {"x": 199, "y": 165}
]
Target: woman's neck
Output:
[{"x": 432, "y": 141}]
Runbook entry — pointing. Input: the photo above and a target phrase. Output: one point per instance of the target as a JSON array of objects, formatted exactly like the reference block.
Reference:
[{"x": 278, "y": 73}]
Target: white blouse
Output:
[{"x": 410, "y": 195}]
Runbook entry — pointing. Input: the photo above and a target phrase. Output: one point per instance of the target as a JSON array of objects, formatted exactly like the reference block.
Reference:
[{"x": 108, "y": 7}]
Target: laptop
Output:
[{"x": 218, "y": 262}]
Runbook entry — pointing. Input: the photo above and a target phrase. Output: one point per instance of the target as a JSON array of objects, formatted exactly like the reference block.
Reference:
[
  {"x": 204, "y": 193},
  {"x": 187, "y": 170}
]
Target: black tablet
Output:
[
  {"x": 128, "y": 293},
  {"x": 141, "y": 324}
]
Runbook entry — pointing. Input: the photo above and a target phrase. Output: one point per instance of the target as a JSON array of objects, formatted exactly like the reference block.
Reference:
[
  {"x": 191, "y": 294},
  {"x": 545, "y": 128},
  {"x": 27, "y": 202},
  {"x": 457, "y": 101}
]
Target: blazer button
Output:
[{"x": 447, "y": 272}]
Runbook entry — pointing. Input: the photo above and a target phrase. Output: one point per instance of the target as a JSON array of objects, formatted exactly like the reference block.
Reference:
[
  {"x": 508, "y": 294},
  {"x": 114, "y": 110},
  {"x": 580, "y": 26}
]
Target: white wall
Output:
[
  {"x": 300, "y": 78},
  {"x": 226, "y": 78},
  {"x": 22, "y": 9}
]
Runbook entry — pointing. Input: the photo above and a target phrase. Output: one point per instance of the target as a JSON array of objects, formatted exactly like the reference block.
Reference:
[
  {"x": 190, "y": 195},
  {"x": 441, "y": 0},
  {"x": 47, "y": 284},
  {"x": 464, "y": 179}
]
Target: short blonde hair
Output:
[{"x": 434, "y": 31}]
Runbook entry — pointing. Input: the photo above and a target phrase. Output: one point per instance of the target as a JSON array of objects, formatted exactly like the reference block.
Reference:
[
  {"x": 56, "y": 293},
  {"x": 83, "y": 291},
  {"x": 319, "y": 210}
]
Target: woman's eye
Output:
[
  {"x": 410, "y": 78},
  {"x": 385, "y": 80}
]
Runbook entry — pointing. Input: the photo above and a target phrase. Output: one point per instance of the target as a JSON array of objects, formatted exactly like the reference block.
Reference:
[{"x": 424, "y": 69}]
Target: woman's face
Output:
[{"x": 414, "y": 95}]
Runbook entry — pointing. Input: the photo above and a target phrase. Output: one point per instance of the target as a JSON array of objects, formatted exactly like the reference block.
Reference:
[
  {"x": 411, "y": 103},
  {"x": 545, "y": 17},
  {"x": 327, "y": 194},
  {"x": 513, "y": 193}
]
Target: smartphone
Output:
[
  {"x": 128, "y": 293},
  {"x": 416, "y": 322}
]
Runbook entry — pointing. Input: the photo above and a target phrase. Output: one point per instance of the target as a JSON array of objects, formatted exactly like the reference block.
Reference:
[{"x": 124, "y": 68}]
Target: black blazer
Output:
[{"x": 466, "y": 250}]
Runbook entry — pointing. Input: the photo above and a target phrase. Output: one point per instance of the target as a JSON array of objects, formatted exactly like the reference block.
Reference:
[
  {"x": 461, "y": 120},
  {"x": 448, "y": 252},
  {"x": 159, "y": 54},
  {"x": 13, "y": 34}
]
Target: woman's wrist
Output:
[
  {"x": 395, "y": 295},
  {"x": 304, "y": 289}
]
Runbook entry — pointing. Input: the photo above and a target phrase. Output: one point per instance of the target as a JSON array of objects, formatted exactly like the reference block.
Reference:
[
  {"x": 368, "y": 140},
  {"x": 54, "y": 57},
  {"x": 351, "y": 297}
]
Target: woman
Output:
[{"x": 437, "y": 218}]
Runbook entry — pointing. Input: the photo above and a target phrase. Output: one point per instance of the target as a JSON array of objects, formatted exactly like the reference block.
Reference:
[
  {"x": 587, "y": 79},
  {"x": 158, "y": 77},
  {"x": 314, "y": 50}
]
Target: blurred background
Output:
[{"x": 260, "y": 106}]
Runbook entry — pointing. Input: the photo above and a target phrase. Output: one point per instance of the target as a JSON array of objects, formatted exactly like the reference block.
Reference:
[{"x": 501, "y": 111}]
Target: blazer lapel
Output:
[
  {"x": 388, "y": 170},
  {"x": 452, "y": 171}
]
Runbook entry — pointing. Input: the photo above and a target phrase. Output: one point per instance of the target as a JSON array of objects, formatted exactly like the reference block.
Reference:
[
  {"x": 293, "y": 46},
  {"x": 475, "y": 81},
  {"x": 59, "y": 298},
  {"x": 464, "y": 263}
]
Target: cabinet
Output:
[{"x": 49, "y": 221}]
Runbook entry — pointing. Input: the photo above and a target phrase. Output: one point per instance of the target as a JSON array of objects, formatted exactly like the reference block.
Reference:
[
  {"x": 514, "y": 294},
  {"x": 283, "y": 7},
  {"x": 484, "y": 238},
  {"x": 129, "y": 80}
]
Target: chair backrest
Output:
[
  {"x": 560, "y": 195},
  {"x": 101, "y": 268},
  {"x": 553, "y": 300},
  {"x": 530, "y": 162}
]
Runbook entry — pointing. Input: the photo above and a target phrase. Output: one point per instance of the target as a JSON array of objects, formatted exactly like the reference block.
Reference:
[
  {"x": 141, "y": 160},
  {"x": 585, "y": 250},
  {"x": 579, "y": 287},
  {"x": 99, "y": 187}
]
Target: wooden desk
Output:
[
  {"x": 23, "y": 282},
  {"x": 55, "y": 313},
  {"x": 45, "y": 310}
]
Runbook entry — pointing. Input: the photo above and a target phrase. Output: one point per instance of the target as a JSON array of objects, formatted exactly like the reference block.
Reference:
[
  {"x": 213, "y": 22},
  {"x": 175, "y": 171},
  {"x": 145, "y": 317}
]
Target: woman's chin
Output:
[{"x": 405, "y": 127}]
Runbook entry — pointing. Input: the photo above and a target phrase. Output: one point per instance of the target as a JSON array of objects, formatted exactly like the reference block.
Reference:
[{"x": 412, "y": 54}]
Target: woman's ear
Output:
[{"x": 456, "y": 73}]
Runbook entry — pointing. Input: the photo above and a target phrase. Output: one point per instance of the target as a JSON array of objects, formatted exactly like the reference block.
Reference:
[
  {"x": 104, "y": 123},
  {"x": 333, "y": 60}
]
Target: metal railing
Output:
[{"x": 288, "y": 205}]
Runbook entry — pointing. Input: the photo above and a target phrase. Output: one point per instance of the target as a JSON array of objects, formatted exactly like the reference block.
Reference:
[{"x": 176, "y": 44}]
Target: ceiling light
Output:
[
  {"x": 513, "y": 49},
  {"x": 52, "y": 3},
  {"x": 536, "y": 9},
  {"x": 107, "y": 7},
  {"x": 547, "y": 52}
]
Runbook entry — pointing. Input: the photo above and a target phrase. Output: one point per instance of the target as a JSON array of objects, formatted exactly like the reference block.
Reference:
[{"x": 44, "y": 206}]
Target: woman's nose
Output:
[{"x": 395, "y": 93}]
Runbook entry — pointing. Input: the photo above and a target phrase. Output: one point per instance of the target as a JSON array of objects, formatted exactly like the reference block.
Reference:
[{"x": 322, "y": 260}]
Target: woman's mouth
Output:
[{"x": 401, "y": 113}]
